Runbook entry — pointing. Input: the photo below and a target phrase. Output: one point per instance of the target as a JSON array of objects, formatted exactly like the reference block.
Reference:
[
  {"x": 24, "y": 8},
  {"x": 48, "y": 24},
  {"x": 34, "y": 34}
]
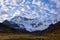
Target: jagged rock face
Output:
[{"x": 32, "y": 15}]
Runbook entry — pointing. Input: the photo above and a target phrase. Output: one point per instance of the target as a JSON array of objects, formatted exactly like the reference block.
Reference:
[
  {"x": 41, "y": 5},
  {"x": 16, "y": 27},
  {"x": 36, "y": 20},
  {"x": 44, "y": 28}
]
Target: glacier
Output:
[{"x": 31, "y": 15}]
